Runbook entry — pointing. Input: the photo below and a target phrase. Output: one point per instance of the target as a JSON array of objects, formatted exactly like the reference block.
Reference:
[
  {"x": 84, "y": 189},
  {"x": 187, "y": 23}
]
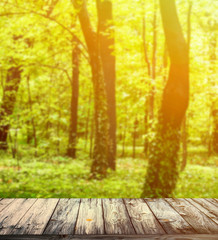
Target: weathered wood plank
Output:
[
  {"x": 171, "y": 221},
  {"x": 198, "y": 220},
  {"x": 208, "y": 205},
  {"x": 5, "y": 202},
  {"x": 213, "y": 200},
  {"x": 198, "y": 203},
  {"x": 116, "y": 217},
  {"x": 36, "y": 219},
  {"x": 142, "y": 218},
  {"x": 212, "y": 204},
  {"x": 11, "y": 215},
  {"x": 119, "y": 237},
  {"x": 64, "y": 218},
  {"x": 90, "y": 218}
]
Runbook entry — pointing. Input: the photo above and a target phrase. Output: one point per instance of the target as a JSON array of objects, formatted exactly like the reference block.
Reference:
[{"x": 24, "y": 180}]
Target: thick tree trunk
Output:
[
  {"x": 106, "y": 43},
  {"x": 8, "y": 102},
  {"x": 100, "y": 156},
  {"x": 71, "y": 152},
  {"x": 162, "y": 173}
]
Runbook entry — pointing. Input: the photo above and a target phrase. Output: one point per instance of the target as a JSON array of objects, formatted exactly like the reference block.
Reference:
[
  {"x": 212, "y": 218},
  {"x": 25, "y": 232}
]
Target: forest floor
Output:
[{"x": 66, "y": 178}]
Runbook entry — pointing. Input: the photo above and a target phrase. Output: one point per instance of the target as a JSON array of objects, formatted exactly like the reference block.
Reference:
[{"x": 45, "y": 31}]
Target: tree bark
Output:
[
  {"x": 32, "y": 119},
  {"x": 71, "y": 152},
  {"x": 9, "y": 98},
  {"x": 106, "y": 43},
  {"x": 146, "y": 117},
  {"x": 214, "y": 98},
  {"x": 100, "y": 155},
  {"x": 162, "y": 172},
  {"x": 184, "y": 124}
]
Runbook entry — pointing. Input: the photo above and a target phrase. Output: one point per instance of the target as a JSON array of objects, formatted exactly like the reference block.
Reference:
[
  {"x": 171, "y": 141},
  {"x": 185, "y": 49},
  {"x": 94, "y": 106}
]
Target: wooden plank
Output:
[
  {"x": 212, "y": 200},
  {"x": 5, "y": 202},
  {"x": 203, "y": 207},
  {"x": 198, "y": 220},
  {"x": 142, "y": 218},
  {"x": 36, "y": 219},
  {"x": 64, "y": 218},
  {"x": 208, "y": 205},
  {"x": 90, "y": 218},
  {"x": 116, "y": 217},
  {"x": 11, "y": 215},
  {"x": 171, "y": 221},
  {"x": 117, "y": 237}
]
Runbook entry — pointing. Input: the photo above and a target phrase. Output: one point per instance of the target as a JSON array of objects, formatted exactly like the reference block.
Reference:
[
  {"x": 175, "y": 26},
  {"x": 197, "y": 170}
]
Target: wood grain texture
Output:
[
  {"x": 201, "y": 206},
  {"x": 116, "y": 237},
  {"x": 212, "y": 200},
  {"x": 108, "y": 219},
  {"x": 198, "y": 220},
  {"x": 11, "y": 215},
  {"x": 142, "y": 218},
  {"x": 170, "y": 219},
  {"x": 116, "y": 217},
  {"x": 36, "y": 219},
  {"x": 5, "y": 202},
  {"x": 90, "y": 218},
  {"x": 209, "y": 205},
  {"x": 63, "y": 220}
]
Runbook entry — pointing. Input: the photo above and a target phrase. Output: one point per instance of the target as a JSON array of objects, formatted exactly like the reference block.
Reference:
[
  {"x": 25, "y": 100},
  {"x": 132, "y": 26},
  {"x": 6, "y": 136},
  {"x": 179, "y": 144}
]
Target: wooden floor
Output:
[{"x": 109, "y": 219}]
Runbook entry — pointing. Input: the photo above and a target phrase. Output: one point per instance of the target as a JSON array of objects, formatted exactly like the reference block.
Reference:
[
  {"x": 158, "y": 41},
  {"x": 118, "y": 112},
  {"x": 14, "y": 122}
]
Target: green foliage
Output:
[
  {"x": 38, "y": 37},
  {"x": 62, "y": 177}
]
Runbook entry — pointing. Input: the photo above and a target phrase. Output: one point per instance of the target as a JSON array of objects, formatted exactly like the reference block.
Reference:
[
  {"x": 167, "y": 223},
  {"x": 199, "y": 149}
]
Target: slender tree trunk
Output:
[
  {"x": 71, "y": 152},
  {"x": 58, "y": 128},
  {"x": 146, "y": 118},
  {"x": 106, "y": 43},
  {"x": 215, "y": 129},
  {"x": 124, "y": 139},
  {"x": 162, "y": 172},
  {"x": 134, "y": 137},
  {"x": 32, "y": 119},
  {"x": 87, "y": 122},
  {"x": 153, "y": 72},
  {"x": 214, "y": 107},
  {"x": 184, "y": 124},
  {"x": 9, "y": 99},
  {"x": 100, "y": 157},
  {"x": 91, "y": 139}
]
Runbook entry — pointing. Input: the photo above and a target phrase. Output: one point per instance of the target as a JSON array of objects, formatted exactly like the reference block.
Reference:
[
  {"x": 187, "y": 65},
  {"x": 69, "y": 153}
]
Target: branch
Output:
[
  {"x": 47, "y": 17},
  {"x": 53, "y": 67}
]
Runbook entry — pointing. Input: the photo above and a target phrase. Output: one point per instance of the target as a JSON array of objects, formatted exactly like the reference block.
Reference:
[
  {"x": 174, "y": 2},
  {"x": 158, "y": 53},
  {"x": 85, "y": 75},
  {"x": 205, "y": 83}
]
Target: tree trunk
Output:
[
  {"x": 71, "y": 152},
  {"x": 162, "y": 173},
  {"x": 214, "y": 98},
  {"x": 8, "y": 102},
  {"x": 32, "y": 119},
  {"x": 184, "y": 125},
  {"x": 134, "y": 137},
  {"x": 106, "y": 43},
  {"x": 215, "y": 129},
  {"x": 100, "y": 156},
  {"x": 153, "y": 72},
  {"x": 146, "y": 118},
  {"x": 87, "y": 121}
]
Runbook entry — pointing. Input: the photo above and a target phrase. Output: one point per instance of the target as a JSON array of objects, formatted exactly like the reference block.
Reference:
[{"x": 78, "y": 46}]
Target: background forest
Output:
[{"x": 83, "y": 86}]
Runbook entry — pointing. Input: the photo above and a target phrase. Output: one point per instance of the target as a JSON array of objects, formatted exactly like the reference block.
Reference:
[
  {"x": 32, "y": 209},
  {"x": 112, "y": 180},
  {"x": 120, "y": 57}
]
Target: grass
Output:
[{"x": 63, "y": 177}]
